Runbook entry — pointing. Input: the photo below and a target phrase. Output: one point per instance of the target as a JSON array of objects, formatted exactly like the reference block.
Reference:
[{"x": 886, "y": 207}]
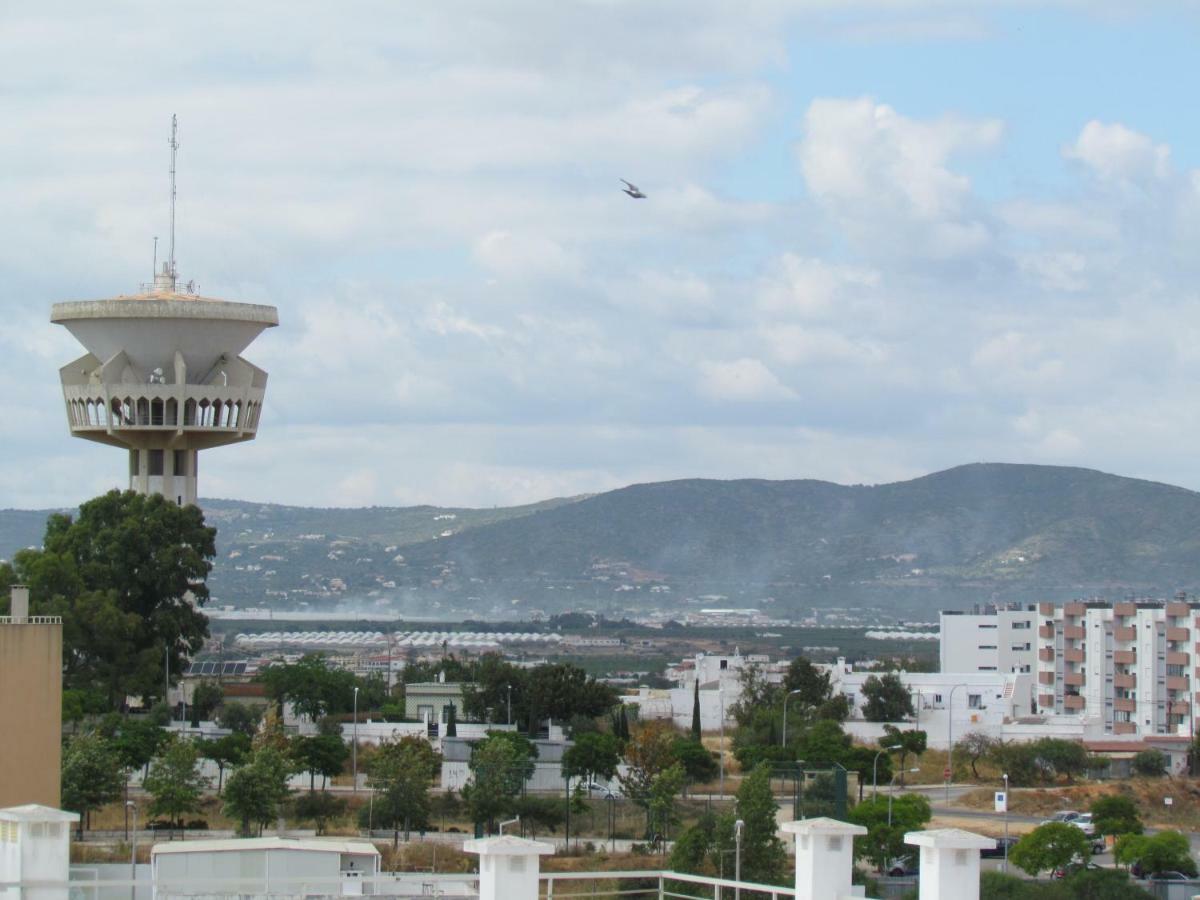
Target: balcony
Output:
[
  {"x": 1045, "y": 677},
  {"x": 1046, "y": 654},
  {"x": 1074, "y": 609},
  {"x": 1046, "y": 701},
  {"x": 1179, "y": 635},
  {"x": 1125, "y": 704},
  {"x": 1124, "y": 608},
  {"x": 1046, "y": 609},
  {"x": 1178, "y": 610},
  {"x": 1124, "y": 633},
  {"x": 1073, "y": 702},
  {"x": 1074, "y": 632},
  {"x": 1046, "y": 632},
  {"x": 1124, "y": 728},
  {"x": 1073, "y": 654},
  {"x": 1125, "y": 657},
  {"x": 1178, "y": 708},
  {"x": 1125, "y": 680},
  {"x": 1177, "y": 658},
  {"x": 1075, "y": 679},
  {"x": 1177, "y": 683}
]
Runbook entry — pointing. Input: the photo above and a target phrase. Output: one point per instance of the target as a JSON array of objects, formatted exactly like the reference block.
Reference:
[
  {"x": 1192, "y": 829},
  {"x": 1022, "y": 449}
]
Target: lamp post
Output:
[
  {"x": 950, "y": 738},
  {"x": 508, "y": 687},
  {"x": 737, "y": 858},
  {"x": 1005, "y": 821},
  {"x": 721, "y": 752},
  {"x": 875, "y": 769},
  {"x": 132, "y": 807},
  {"x": 785, "y": 707},
  {"x": 799, "y": 788},
  {"x": 354, "y": 746},
  {"x": 892, "y": 790}
]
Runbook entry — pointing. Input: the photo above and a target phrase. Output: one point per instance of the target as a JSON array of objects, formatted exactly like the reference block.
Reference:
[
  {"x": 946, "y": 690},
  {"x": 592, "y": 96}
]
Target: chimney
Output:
[{"x": 19, "y": 608}]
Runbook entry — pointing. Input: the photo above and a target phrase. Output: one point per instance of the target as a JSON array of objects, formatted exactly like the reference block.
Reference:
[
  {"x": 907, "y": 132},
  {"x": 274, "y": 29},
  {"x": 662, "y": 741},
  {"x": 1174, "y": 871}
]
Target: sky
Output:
[{"x": 880, "y": 238}]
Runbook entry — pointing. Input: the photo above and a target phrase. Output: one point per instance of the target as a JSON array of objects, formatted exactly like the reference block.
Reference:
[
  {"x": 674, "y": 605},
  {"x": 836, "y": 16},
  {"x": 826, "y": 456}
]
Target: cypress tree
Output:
[
  {"x": 696, "y": 712},
  {"x": 452, "y": 722}
]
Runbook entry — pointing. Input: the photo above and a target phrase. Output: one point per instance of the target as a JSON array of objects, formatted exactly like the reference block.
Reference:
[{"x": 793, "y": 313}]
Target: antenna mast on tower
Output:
[{"x": 174, "y": 150}]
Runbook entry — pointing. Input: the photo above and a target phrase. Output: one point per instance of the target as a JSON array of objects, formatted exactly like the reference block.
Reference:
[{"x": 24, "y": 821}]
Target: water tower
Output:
[{"x": 163, "y": 377}]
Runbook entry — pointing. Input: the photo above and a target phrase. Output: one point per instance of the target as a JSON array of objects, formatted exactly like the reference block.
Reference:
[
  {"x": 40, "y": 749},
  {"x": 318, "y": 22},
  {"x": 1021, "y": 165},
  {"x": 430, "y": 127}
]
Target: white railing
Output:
[{"x": 30, "y": 620}]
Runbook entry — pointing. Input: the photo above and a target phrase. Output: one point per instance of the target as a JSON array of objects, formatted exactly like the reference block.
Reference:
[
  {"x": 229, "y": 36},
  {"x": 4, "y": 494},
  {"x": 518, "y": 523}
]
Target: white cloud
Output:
[
  {"x": 741, "y": 380},
  {"x": 1118, "y": 154}
]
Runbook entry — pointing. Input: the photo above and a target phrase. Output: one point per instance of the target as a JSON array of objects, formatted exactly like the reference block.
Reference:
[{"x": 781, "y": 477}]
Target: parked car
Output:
[
  {"x": 1063, "y": 815},
  {"x": 1169, "y": 876},
  {"x": 603, "y": 790},
  {"x": 1073, "y": 868},
  {"x": 904, "y": 865},
  {"x": 1084, "y": 823},
  {"x": 998, "y": 852}
]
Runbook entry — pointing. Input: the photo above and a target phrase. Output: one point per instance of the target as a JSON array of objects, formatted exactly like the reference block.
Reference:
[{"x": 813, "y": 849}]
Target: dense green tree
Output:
[
  {"x": 910, "y": 742},
  {"x": 539, "y": 812},
  {"x": 699, "y": 763},
  {"x": 593, "y": 755},
  {"x": 1166, "y": 851},
  {"x": 318, "y": 807},
  {"x": 660, "y": 800},
  {"x": 401, "y": 773},
  {"x": 136, "y": 740},
  {"x": 884, "y": 842},
  {"x": 1054, "y": 757},
  {"x": 92, "y": 775},
  {"x": 886, "y": 699},
  {"x": 320, "y": 754},
  {"x": 1116, "y": 815},
  {"x": 813, "y": 684},
  {"x": 1084, "y": 884},
  {"x": 175, "y": 783},
  {"x": 649, "y": 751},
  {"x": 500, "y": 765},
  {"x": 1151, "y": 763},
  {"x": 239, "y": 717},
  {"x": 496, "y": 682},
  {"x": 764, "y": 858},
  {"x": 256, "y": 791},
  {"x": 560, "y": 691},
  {"x": 128, "y": 577},
  {"x": 1053, "y": 845},
  {"x": 452, "y": 721},
  {"x": 696, "y": 729},
  {"x": 205, "y": 699},
  {"x": 226, "y": 751},
  {"x": 693, "y": 850},
  {"x": 312, "y": 686}
]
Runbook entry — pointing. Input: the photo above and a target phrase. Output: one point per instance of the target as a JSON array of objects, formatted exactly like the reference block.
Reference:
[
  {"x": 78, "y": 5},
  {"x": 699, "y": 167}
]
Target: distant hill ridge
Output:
[{"x": 975, "y": 532}]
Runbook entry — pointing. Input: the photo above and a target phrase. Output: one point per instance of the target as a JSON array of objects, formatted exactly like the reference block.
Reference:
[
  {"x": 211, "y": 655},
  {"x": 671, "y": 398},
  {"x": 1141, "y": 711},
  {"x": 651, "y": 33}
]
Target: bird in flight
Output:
[{"x": 632, "y": 190}]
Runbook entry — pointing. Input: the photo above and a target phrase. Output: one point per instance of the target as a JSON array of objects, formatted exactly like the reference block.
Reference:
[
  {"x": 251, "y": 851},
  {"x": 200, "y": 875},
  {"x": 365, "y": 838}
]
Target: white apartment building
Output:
[
  {"x": 1124, "y": 668},
  {"x": 989, "y": 639}
]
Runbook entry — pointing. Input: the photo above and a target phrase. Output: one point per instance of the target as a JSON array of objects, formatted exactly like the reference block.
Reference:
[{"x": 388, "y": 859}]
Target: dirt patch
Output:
[{"x": 1150, "y": 795}]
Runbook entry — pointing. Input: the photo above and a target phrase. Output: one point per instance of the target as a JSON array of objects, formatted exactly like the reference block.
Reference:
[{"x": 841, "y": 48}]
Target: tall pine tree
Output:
[{"x": 696, "y": 711}]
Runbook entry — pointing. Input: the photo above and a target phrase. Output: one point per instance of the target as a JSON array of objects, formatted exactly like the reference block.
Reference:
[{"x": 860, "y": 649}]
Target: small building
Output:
[
  {"x": 35, "y": 845},
  {"x": 264, "y": 866},
  {"x": 547, "y": 774},
  {"x": 430, "y": 701}
]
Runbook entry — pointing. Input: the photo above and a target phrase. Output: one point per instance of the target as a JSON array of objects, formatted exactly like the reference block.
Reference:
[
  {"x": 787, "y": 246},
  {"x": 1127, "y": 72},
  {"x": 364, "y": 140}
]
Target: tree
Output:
[
  {"x": 321, "y": 754},
  {"x": 539, "y": 812},
  {"x": 1116, "y": 815},
  {"x": 1166, "y": 851},
  {"x": 911, "y": 741},
  {"x": 500, "y": 765},
  {"x": 175, "y": 782},
  {"x": 1151, "y": 763},
  {"x": 884, "y": 842},
  {"x": 257, "y": 790},
  {"x": 974, "y": 745},
  {"x": 239, "y": 717},
  {"x": 318, "y": 807},
  {"x": 137, "y": 741},
  {"x": 452, "y": 722},
  {"x": 1053, "y": 845},
  {"x": 496, "y": 683},
  {"x": 699, "y": 763},
  {"x": 660, "y": 800},
  {"x": 92, "y": 775},
  {"x": 764, "y": 858},
  {"x": 559, "y": 691},
  {"x": 887, "y": 699},
  {"x": 696, "y": 730},
  {"x": 128, "y": 577},
  {"x": 592, "y": 755},
  {"x": 649, "y": 751},
  {"x": 227, "y": 750},
  {"x": 311, "y": 686},
  {"x": 1054, "y": 756},
  {"x": 813, "y": 684},
  {"x": 401, "y": 773},
  {"x": 205, "y": 699}
]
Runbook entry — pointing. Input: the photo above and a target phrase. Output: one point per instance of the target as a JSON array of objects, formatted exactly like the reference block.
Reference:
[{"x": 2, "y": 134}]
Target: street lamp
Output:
[
  {"x": 132, "y": 807},
  {"x": 785, "y": 704},
  {"x": 354, "y": 746},
  {"x": 1005, "y": 821},
  {"x": 509, "y": 688},
  {"x": 737, "y": 858},
  {"x": 875, "y": 769},
  {"x": 892, "y": 790},
  {"x": 721, "y": 754},
  {"x": 950, "y": 738}
]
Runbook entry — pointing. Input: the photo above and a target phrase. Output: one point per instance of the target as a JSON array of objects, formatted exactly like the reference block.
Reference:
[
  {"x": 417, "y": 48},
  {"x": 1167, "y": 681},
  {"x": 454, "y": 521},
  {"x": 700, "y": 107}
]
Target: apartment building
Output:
[
  {"x": 1125, "y": 667},
  {"x": 989, "y": 639}
]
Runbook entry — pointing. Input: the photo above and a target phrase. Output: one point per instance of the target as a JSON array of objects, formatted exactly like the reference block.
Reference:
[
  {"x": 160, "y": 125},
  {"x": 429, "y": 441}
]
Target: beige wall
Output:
[{"x": 30, "y": 714}]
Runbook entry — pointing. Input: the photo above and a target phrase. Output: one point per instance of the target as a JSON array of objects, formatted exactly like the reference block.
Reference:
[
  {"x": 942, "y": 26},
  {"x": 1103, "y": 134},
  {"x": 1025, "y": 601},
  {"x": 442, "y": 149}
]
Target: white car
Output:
[{"x": 1084, "y": 823}]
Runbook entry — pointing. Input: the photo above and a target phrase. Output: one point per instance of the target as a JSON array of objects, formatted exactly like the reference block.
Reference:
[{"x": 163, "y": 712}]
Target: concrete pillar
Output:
[
  {"x": 824, "y": 857},
  {"x": 508, "y": 866},
  {"x": 949, "y": 862},
  {"x": 18, "y": 607}
]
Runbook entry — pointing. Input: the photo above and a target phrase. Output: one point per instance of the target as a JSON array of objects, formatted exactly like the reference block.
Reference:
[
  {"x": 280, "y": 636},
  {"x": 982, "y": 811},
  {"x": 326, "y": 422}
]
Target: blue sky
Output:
[{"x": 881, "y": 238}]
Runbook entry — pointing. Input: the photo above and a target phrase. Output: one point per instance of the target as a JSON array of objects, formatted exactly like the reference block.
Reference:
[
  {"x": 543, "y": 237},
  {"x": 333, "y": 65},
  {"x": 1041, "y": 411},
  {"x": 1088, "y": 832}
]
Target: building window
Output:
[
  {"x": 156, "y": 463},
  {"x": 987, "y": 646},
  {"x": 987, "y": 626},
  {"x": 974, "y": 701},
  {"x": 133, "y": 464},
  {"x": 180, "y": 462},
  {"x": 1021, "y": 625}
]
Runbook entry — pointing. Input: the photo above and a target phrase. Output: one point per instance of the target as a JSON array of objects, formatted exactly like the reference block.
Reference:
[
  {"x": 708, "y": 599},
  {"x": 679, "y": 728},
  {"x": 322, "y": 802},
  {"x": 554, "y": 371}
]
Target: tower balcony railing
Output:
[{"x": 165, "y": 407}]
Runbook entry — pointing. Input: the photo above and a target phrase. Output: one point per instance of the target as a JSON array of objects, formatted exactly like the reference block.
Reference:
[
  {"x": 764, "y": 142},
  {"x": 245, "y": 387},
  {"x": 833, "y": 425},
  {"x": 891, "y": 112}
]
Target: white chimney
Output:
[{"x": 19, "y": 607}]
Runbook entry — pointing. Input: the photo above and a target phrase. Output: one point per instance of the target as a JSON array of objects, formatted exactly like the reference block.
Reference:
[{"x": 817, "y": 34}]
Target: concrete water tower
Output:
[{"x": 163, "y": 377}]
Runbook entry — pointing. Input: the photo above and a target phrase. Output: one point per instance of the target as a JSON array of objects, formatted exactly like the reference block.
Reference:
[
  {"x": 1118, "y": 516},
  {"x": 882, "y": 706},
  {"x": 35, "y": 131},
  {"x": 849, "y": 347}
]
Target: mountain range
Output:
[{"x": 974, "y": 533}]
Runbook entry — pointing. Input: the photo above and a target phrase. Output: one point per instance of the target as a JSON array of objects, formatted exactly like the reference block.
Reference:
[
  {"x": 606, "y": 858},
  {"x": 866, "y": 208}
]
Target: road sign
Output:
[
  {"x": 946, "y": 773},
  {"x": 1001, "y": 801}
]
